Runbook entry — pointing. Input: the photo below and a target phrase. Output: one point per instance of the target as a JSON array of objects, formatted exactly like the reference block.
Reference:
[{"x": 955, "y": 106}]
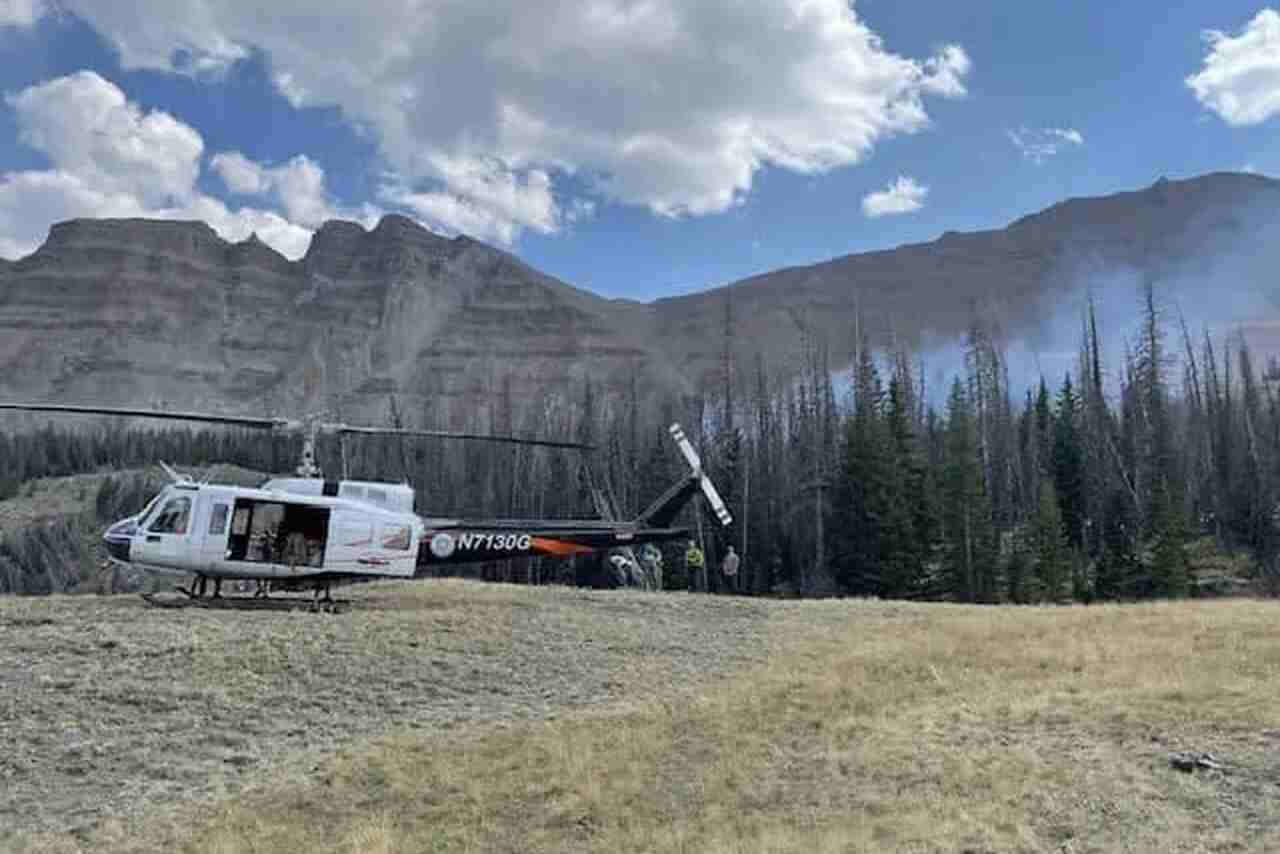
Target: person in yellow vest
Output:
[{"x": 694, "y": 563}]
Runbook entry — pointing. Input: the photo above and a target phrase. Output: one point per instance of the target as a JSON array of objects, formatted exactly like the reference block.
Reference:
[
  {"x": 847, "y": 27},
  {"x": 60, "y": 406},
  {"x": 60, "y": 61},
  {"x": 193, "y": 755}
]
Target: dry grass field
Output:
[{"x": 452, "y": 716}]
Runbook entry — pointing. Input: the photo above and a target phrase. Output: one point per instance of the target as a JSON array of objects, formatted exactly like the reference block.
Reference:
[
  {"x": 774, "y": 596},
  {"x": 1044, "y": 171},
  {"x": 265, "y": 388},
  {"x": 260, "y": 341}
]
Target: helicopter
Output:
[{"x": 308, "y": 532}]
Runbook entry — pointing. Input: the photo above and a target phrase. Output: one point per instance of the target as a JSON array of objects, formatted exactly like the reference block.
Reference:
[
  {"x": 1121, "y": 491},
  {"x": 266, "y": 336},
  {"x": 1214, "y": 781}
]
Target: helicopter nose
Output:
[
  {"x": 118, "y": 548},
  {"x": 119, "y": 537}
]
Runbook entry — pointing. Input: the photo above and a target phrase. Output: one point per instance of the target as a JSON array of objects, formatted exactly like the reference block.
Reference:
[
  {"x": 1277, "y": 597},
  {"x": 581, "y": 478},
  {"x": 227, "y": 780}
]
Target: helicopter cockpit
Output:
[{"x": 164, "y": 523}]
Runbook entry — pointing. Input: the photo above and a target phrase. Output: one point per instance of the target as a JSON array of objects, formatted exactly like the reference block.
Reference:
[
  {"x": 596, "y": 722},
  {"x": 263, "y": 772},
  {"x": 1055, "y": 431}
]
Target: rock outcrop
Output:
[{"x": 169, "y": 314}]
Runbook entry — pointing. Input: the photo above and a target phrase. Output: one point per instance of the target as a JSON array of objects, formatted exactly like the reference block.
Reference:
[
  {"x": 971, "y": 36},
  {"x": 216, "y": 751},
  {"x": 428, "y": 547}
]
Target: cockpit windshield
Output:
[
  {"x": 173, "y": 517},
  {"x": 151, "y": 505}
]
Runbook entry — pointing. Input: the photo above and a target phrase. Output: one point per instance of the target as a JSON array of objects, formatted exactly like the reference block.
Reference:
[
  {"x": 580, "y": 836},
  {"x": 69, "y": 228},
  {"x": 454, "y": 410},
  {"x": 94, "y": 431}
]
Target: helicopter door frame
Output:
[
  {"x": 213, "y": 543},
  {"x": 250, "y": 541}
]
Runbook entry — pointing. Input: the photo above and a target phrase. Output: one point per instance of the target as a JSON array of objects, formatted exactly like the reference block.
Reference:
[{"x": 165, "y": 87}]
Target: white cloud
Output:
[
  {"x": 479, "y": 107},
  {"x": 83, "y": 124},
  {"x": 1240, "y": 80},
  {"x": 239, "y": 173},
  {"x": 20, "y": 13},
  {"x": 1039, "y": 144},
  {"x": 901, "y": 196},
  {"x": 109, "y": 158},
  {"x": 485, "y": 200},
  {"x": 297, "y": 186}
]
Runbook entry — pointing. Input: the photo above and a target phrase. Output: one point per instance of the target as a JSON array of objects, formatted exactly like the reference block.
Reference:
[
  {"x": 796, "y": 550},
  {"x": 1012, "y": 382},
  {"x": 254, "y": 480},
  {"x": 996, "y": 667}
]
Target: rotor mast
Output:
[{"x": 307, "y": 465}]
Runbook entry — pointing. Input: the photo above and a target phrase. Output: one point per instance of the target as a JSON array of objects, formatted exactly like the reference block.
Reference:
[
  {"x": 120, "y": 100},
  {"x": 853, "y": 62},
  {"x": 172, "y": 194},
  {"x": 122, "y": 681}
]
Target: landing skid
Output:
[{"x": 246, "y": 603}]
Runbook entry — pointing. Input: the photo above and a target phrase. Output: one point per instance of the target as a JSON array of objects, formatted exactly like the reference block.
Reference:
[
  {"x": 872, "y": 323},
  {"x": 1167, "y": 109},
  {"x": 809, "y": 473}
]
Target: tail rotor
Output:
[{"x": 695, "y": 463}]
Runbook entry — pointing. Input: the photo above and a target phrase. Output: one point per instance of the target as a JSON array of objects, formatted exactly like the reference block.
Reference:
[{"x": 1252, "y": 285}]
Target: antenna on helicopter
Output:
[{"x": 174, "y": 475}]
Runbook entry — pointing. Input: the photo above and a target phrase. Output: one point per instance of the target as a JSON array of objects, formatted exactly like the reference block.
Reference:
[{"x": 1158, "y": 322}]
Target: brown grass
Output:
[{"x": 867, "y": 727}]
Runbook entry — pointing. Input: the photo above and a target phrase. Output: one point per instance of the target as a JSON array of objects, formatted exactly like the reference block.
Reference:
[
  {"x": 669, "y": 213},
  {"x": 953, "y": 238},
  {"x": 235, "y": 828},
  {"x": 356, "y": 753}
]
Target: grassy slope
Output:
[
  {"x": 868, "y": 726},
  {"x": 72, "y": 499},
  {"x": 49, "y": 498}
]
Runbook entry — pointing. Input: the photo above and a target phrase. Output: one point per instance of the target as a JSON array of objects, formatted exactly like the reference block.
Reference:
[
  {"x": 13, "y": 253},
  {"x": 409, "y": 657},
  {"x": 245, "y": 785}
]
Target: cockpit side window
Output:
[
  {"x": 173, "y": 517},
  {"x": 218, "y": 519}
]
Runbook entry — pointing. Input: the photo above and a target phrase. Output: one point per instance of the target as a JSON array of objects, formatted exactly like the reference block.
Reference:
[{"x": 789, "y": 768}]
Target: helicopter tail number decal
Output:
[
  {"x": 504, "y": 542},
  {"x": 468, "y": 544},
  {"x": 454, "y": 546},
  {"x": 480, "y": 545}
]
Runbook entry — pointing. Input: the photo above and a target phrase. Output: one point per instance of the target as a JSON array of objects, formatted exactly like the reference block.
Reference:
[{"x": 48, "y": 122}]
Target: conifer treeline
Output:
[
  {"x": 1136, "y": 488},
  {"x": 1112, "y": 481}
]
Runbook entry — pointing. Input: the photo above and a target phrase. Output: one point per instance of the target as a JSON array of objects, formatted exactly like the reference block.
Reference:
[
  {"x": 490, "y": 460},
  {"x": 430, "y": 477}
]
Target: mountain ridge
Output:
[{"x": 155, "y": 312}]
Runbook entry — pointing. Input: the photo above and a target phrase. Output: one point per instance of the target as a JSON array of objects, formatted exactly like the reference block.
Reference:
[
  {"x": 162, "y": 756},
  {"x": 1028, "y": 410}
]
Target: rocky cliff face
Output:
[{"x": 167, "y": 313}]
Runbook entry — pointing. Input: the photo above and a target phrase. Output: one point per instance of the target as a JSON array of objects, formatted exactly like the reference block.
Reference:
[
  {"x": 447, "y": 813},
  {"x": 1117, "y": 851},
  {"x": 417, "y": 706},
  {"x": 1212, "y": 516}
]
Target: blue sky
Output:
[{"x": 635, "y": 149}]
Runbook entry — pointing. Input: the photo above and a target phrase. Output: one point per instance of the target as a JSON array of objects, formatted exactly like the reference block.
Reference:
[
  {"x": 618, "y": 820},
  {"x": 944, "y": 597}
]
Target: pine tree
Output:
[
  {"x": 1068, "y": 464},
  {"x": 1043, "y": 421},
  {"x": 1053, "y": 564},
  {"x": 966, "y": 513},
  {"x": 1118, "y": 570},
  {"x": 864, "y": 492},
  {"x": 1169, "y": 573},
  {"x": 1019, "y": 578},
  {"x": 904, "y": 544}
]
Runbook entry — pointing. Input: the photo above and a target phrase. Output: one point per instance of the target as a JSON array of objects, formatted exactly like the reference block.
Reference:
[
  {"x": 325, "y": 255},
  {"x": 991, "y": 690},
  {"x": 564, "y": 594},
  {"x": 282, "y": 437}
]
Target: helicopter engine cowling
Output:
[{"x": 397, "y": 497}]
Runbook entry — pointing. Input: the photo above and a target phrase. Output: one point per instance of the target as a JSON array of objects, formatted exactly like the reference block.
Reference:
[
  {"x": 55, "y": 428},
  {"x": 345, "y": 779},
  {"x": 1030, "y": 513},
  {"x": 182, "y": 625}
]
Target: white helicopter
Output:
[{"x": 306, "y": 532}]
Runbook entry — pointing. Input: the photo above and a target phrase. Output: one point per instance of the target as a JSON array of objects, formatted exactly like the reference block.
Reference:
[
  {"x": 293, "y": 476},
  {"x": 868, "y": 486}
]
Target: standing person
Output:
[
  {"x": 694, "y": 563},
  {"x": 730, "y": 570},
  {"x": 775, "y": 571},
  {"x": 107, "y": 584},
  {"x": 651, "y": 560}
]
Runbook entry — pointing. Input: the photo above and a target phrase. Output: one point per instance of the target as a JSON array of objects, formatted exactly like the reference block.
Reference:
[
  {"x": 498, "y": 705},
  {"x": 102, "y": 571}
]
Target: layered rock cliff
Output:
[{"x": 169, "y": 314}]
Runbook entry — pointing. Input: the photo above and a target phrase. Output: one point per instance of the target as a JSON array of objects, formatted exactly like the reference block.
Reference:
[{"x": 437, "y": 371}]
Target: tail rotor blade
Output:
[
  {"x": 682, "y": 442},
  {"x": 695, "y": 463},
  {"x": 709, "y": 490}
]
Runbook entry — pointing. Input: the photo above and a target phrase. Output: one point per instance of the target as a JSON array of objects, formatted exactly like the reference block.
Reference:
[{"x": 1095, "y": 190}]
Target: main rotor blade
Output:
[
  {"x": 444, "y": 434},
  {"x": 241, "y": 421}
]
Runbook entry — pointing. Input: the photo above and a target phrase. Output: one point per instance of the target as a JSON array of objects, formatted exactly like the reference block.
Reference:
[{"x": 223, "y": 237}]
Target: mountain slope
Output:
[
  {"x": 168, "y": 313},
  {"x": 1189, "y": 233}
]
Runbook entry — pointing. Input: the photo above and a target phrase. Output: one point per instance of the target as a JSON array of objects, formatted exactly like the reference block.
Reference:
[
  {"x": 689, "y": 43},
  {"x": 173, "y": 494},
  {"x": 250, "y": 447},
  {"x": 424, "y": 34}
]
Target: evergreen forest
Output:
[{"x": 1155, "y": 477}]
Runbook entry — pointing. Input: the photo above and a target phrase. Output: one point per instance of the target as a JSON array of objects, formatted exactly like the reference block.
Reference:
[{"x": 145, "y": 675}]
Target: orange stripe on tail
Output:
[{"x": 558, "y": 547}]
